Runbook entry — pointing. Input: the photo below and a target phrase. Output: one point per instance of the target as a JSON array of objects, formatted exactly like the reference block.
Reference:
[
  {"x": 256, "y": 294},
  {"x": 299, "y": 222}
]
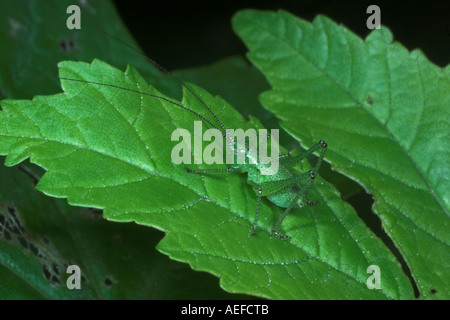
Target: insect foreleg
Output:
[
  {"x": 289, "y": 161},
  {"x": 255, "y": 222},
  {"x": 322, "y": 154}
]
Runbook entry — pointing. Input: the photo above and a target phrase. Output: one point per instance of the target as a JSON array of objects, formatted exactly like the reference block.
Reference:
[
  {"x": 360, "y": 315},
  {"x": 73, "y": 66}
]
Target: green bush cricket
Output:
[{"x": 284, "y": 188}]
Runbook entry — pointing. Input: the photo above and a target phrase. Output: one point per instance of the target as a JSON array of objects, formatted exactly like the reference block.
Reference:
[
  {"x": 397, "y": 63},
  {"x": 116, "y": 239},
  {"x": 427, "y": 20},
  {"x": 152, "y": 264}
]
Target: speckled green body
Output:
[{"x": 282, "y": 198}]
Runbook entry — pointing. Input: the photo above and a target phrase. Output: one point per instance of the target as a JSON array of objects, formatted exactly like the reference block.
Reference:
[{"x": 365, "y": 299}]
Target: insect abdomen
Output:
[{"x": 282, "y": 198}]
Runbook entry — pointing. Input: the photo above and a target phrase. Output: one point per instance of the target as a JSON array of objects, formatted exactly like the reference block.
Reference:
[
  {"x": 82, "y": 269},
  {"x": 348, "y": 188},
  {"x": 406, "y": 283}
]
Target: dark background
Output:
[{"x": 181, "y": 34}]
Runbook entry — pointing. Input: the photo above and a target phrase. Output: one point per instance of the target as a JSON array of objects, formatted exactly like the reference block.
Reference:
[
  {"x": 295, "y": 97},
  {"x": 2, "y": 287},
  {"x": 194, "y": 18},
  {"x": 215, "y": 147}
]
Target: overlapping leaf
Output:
[{"x": 383, "y": 111}]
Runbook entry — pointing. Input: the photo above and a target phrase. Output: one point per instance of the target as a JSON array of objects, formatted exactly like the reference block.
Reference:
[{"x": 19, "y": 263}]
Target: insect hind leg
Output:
[
  {"x": 305, "y": 190},
  {"x": 301, "y": 195}
]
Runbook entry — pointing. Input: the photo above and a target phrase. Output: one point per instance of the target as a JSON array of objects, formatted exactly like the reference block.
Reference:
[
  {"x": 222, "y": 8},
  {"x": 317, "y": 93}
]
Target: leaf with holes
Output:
[
  {"x": 108, "y": 148},
  {"x": 383, "y": 111},
  {"x": 34, "y": 39},
  {"x": 41, "y": 236}
]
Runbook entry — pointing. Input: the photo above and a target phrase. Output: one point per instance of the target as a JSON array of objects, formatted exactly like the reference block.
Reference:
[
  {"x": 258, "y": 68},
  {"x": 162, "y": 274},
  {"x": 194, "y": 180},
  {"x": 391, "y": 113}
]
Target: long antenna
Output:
[
  {"x": 169, "y": 73},
  {"x": 143, "y": 93}
]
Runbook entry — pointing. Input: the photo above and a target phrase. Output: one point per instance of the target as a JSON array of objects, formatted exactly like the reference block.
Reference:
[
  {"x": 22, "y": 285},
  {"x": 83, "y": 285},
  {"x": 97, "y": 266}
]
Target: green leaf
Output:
[
  {"x": 110, "y": 149},
  {"x": 117, "y": 261},
  {"x": 34, "y": 39},
  {"x": 383, "y": 112}
]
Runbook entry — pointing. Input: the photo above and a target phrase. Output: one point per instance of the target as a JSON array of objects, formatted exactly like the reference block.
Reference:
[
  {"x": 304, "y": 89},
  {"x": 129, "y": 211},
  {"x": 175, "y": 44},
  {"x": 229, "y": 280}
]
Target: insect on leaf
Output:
[{"x": 109, "y": 148}]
